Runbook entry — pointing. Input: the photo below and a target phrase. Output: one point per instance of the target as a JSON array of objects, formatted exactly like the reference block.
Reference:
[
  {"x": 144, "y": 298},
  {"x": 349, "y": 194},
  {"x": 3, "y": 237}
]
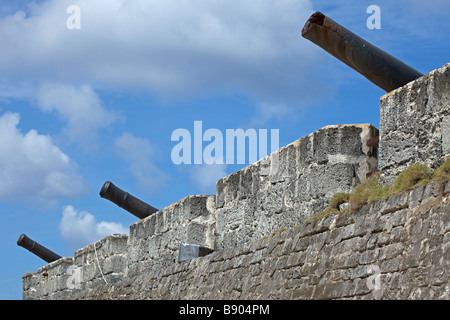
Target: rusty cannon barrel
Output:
[
  {"x": 126, "y": 201},
  {"x": 379, "y": 67},
  {"x": 39, "y": 250}
]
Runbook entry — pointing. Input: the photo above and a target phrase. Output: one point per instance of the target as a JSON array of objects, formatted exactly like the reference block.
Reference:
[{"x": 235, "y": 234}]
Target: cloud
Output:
[
  {"x": 173, "y": 48},
  {"x": 266, "y": 112},
  {"x": 80, "y": 107},
  {"x": 139, "y": 154},
  {"x": 177, "y": 49},
  {"x": 81, "y": 228},
  {"x": 31, "y": 166},
  {"x": 205, "y": 176}
]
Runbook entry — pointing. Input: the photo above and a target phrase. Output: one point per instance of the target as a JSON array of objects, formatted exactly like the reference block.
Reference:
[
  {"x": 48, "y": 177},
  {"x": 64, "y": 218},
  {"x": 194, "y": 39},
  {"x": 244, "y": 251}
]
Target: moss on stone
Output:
[
  {"x": 442, "y": 174},
  {"x": 276, "y": 233},
  {"x": 339, "y": 199},
  {"x": 364, "y": 192},
  {"x": 370, "y": 190}
]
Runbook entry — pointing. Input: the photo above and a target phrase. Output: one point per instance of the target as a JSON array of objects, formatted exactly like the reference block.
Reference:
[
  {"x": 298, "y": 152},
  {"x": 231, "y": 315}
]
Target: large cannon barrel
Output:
[
  {"x": 126, "y": 201},
  {"x": 381, "y": 68},
  {"x": 39, "y": 250}
]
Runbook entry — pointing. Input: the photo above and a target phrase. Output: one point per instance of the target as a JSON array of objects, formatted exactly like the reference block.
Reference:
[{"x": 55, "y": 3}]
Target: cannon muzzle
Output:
[
  {"x": 381, "y": 68},
  {"x": 126, "y": 201},
  {"x": 39, "y": 250}
]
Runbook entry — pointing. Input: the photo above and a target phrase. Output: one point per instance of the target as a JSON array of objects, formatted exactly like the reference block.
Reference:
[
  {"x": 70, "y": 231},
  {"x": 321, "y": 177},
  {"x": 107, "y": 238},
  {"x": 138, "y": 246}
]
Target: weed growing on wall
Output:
[{"x": 370, "y": 190}]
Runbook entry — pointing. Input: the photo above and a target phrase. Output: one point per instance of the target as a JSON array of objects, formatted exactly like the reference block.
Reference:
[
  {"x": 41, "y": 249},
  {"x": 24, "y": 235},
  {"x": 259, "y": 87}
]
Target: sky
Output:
[{"x": 96, "y": 95}]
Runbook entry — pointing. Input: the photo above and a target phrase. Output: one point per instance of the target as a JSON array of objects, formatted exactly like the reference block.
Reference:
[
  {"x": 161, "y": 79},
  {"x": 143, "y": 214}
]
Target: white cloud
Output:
[
  {"x": 32, "y": 166},
  {"x": 178, "y": 48},
  {"x": 139, "y": 154},
  {"x": 80, "y": 107},
  {"x": 266, "y": 112},
  {"x": 170, "y": 47},
  {"x": 205, "y": 176},
  {"x": 81, "y": 228}
]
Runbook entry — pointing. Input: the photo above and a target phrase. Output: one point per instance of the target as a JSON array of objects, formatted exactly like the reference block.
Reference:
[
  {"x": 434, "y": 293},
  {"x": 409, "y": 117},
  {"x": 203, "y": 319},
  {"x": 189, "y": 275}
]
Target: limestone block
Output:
[{"x": 414, "y": 124}]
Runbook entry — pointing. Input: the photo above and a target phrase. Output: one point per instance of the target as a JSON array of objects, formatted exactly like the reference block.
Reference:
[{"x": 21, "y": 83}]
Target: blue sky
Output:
[{"x": 81, "y": 107}]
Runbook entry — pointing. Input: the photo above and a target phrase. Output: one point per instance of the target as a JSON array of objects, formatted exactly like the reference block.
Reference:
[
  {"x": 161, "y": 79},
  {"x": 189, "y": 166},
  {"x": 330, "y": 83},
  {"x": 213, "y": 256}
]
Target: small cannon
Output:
[
  {"x": 379, "y": 67},
  {"x": 126, "y": 201},
  {"x": 39, "y": 250}
]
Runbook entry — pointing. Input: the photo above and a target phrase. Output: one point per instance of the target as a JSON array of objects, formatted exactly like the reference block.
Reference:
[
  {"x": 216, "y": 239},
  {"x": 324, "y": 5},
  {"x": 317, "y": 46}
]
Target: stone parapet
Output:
[
  {"x": 415, "y": 124},
  {"x": 396, "y": 248},
  {"x": 293, "y": 183},
  {"x": 104, "y": 261},
  {"x": 154, "y": 241},
  {"x": 49, "y": 282}
]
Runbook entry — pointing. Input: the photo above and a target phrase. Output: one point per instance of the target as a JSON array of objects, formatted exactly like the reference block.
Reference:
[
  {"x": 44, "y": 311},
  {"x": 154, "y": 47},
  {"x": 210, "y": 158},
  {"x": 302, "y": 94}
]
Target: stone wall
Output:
[
  {"x": 152, "y": 244},
  {"x": 415, "y": 124},
  {"x": 293, "y": 183},
  {"x": 110, "y": 255},
  {"x": 402, "y": 242},
  {"x": 49, "y": 282},
  {"x": 65, "y": 277},
  {"x": 154, "y": 241},
  {"x": 398, "y": 248},
  {"x": 280, "y": 191}
]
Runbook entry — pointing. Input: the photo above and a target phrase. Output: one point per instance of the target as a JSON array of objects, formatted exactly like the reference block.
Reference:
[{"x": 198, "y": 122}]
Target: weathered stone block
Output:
[
  {"x": 414, "y": 124},
  {"x": 154, "y": 241}
]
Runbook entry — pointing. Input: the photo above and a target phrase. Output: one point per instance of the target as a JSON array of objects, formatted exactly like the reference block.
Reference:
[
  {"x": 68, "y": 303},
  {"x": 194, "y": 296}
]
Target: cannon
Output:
[
  {"x": 126, "y": 201},
  {"x": 39, "y": 250},
  {"x": 384, "y": 70}
]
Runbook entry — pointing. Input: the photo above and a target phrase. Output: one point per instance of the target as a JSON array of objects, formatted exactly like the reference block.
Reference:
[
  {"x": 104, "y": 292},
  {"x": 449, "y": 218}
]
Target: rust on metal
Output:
[
  {"x": 39, "y": 250},
  {"x": 126, "y": 201},
  {"x": 379, "y": 67},
  {"x": 373, "y": 141}
]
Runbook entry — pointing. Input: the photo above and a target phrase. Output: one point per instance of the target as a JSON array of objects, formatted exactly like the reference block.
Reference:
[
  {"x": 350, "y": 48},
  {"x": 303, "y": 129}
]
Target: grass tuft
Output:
[
  {"x": 370, "y": 190},
  {"x": 442, "y": 174},
  {"x": 412, "y": 177},
  {"x": 339, "y": 199},
  {"x": 367, "y": 191}
]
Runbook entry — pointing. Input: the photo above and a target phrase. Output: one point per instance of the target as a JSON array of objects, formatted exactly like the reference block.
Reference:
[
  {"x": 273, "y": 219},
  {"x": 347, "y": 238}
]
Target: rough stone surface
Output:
[
  {"x": 152, "y": 244},
  {"x": 415, "y": 124},
  {"x": 293, "y": 183},
  {"x": 63, "y": 278},
  {"x": 402, "y": 254},
  {"x": 396, "y": 248},
  {"x": 154, "y": 241}
]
